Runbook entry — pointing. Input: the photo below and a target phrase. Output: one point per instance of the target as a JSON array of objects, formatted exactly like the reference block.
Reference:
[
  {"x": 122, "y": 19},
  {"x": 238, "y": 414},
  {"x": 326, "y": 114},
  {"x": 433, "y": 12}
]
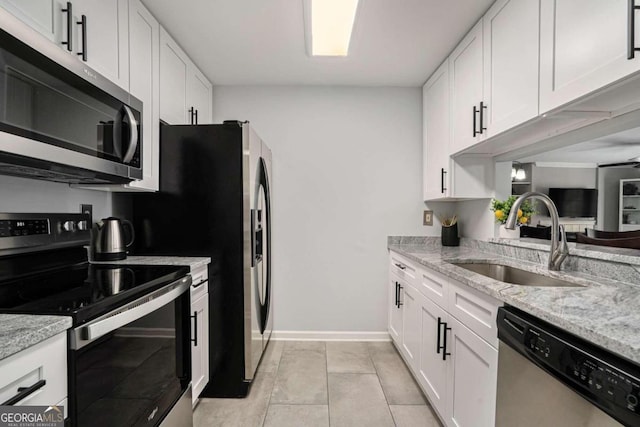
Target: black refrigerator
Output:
[{"x": 215, "y": 201}]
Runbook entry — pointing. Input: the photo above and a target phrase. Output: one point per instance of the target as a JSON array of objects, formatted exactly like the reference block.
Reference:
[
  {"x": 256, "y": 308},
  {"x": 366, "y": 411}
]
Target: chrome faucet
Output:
[{"x": 558, "y": 253}]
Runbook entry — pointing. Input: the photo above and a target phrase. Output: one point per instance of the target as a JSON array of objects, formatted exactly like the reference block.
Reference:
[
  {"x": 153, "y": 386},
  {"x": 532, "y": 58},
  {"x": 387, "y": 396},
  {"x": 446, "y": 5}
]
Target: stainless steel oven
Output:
[
  {"x": 129, "y": 346},
  {"x": 132, "y": 365},
  {"x": 59, "y": 119}
]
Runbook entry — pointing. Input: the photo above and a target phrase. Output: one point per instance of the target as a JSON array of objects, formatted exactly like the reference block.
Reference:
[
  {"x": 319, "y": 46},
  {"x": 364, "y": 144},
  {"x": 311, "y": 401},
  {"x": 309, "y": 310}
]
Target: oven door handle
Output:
[
  {"x": 133, "y": 136},
  {"x": 135, "y": 310}
]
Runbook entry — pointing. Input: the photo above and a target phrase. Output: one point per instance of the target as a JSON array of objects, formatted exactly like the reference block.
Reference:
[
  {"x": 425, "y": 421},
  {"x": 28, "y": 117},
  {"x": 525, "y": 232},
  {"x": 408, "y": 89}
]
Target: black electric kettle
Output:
[{"x": 109, "y": 239}]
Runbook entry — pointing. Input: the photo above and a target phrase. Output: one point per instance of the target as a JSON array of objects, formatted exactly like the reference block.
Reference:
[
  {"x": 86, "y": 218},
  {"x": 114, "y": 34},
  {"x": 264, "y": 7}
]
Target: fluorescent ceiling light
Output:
[{"x": 331, "y": 26}]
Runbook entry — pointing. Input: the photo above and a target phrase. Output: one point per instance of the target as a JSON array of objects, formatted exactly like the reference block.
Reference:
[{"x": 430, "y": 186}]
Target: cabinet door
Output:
[
  {"x": 44, "y": 16},
  {"x": 432, "y": 368},
  {"x": 200, "y": 347},
  {"x": 465, "y": 69},
  {"x": 410, "y": 301},
  {"x": 395, "y": 311},
  {"x": 583, "y": 47},
  {"x": 144, "y": 51},
  {"x": 472, "y": 373},
  {"x": 436, "y": 134},
  {"x": 174, "y": 65},
  {"x": 107, "y": 37},
  {"x": 200, "y": 96},
  {"x": 511, "y": 40}
]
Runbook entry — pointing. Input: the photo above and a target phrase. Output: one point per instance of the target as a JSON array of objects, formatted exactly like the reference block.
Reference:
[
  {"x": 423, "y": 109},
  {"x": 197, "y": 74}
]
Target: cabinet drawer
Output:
[
  {"x": 44, "y": 361},
  {"x": 199, "y": 291},
  {"x": 402, "y": 268},
  {"x": 434, "y": 286},
  {"x": 199, "y": 275},
  {"x": 475, "y": 310}
]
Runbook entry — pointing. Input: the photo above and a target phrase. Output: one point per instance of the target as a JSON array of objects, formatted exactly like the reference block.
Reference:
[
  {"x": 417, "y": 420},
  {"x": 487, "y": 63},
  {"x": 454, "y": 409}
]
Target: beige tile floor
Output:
[{"x": 318, "y": 384}]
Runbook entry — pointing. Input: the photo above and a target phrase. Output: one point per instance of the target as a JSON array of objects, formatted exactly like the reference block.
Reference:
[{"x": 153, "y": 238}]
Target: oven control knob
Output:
[
  {"x": 632, "y": 400},
  {"x": 83, "y": 225},
  {"x": 69, "y": 226}
]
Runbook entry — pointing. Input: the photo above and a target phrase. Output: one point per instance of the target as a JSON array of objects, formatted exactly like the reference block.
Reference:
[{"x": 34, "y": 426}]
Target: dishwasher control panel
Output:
[{"x": 604, "y": 378}]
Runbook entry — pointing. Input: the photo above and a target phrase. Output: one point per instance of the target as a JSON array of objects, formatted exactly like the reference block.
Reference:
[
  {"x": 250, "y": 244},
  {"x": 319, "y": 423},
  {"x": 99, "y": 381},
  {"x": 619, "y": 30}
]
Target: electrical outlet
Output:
[
  {"x": 427, "y": 218},
  {"x": 87, "y": 209}
]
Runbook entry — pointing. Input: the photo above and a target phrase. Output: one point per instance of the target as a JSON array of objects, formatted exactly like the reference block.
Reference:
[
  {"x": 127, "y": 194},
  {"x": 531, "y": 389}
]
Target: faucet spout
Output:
[{"x": 558, "y": 252}]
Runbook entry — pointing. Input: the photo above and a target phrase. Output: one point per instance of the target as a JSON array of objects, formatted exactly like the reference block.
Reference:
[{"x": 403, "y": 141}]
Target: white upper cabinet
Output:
[
  {"x": 102, "y": 39},
  {"x": 446, "y": 178},
  {"x": 144, "y": 51},
  {"x": 48, "y": 17},
  {"x": 200, "y": 97},
  {"x": 185, "y": 93},
  {"x": 584, "y": 46},
  {"x": 511, "y": 41},
  {"x": 465, "y": 69},
  {"x": 436, "y": 133},
  {"x": 173, "y": 81},
  {"x": 94, "y": 31}
]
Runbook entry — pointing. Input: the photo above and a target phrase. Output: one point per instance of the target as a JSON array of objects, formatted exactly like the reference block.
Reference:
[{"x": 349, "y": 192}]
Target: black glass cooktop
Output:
[{"x": 83, "y": 291}]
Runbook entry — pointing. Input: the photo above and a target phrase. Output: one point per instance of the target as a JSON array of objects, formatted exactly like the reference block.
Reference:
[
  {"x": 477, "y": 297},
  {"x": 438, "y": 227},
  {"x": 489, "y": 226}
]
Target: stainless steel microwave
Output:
[{"x": 59, "y": 119}]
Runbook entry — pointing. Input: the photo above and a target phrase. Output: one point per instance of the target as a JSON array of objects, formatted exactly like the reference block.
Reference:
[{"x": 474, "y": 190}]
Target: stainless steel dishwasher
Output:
[{"x": 549, "y": 377}]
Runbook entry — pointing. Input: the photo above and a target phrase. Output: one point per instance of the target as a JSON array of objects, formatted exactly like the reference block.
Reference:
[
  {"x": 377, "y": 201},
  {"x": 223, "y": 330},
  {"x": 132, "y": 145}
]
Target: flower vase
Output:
[{"x": 505, "y": 233}]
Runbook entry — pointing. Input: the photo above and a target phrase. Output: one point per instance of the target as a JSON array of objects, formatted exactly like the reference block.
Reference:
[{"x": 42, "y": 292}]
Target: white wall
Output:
[
  {"x": 347, "y": 172},
  {"x": 30, "y": 195}
]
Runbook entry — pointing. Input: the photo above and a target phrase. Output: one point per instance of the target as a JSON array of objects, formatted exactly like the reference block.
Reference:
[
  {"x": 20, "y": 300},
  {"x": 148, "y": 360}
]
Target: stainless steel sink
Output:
[{"x": 515, "y": 276}]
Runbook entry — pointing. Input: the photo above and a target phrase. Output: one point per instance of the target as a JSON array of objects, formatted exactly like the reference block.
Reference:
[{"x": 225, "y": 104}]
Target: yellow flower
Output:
[
  {"x": 519, "y": 213},
  {"x": 523, "y": 220},
  {"x": 499, "y": 214}
]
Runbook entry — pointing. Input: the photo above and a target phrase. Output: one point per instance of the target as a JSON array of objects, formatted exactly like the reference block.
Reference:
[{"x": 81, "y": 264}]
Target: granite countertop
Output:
[
  {"x": 602, "y": 310},
  {"x": 21, "y": 331},
  {"x": 191, "y": 262}
]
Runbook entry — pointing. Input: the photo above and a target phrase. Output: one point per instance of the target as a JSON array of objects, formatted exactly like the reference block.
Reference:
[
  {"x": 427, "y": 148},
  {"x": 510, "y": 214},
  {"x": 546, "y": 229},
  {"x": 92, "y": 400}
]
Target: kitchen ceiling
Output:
[{"x": 262, "y": 42}]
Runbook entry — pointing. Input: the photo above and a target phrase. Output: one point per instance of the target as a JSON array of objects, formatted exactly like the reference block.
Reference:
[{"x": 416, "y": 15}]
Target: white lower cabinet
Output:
[
  {"x": 42, "y": 367},
  {"x": 410, "y": 324},
  {"x": 450, "y": 345},
  {"x": 472, "y": 373},
  {"x": 199, "y": 332},
  {"x": 395, "y": 310},
  {"x": 432, "y": 366}
]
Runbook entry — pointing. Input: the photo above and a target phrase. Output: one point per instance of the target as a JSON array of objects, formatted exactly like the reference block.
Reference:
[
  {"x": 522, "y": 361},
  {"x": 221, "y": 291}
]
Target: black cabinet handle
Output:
[
  {"x": 397, "y": 300},
  {"x": 69, "y": 11},
  {"x": 438, "y": 346},
  {"x": 24, "y": 392},
  {"x": 442, "y": 186},
  {"x": 483, "y": 107},
  {"x": 196, "y": 116},
  {"x": 400, "y": 287},
  {"x": 400, "y": 266},
  {"x": 631, "y": 30},
  {"x": 194, "y": 340},
  {"x": 445, "y": 353},
  {"x": 475, "y": 124},
  {"x": 191, "y": 110},
  {"x": 83, "y": 23}
]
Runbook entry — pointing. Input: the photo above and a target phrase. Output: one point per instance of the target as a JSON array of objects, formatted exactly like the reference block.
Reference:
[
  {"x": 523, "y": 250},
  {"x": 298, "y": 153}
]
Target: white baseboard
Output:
[{"x": 330, "y": 336}]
